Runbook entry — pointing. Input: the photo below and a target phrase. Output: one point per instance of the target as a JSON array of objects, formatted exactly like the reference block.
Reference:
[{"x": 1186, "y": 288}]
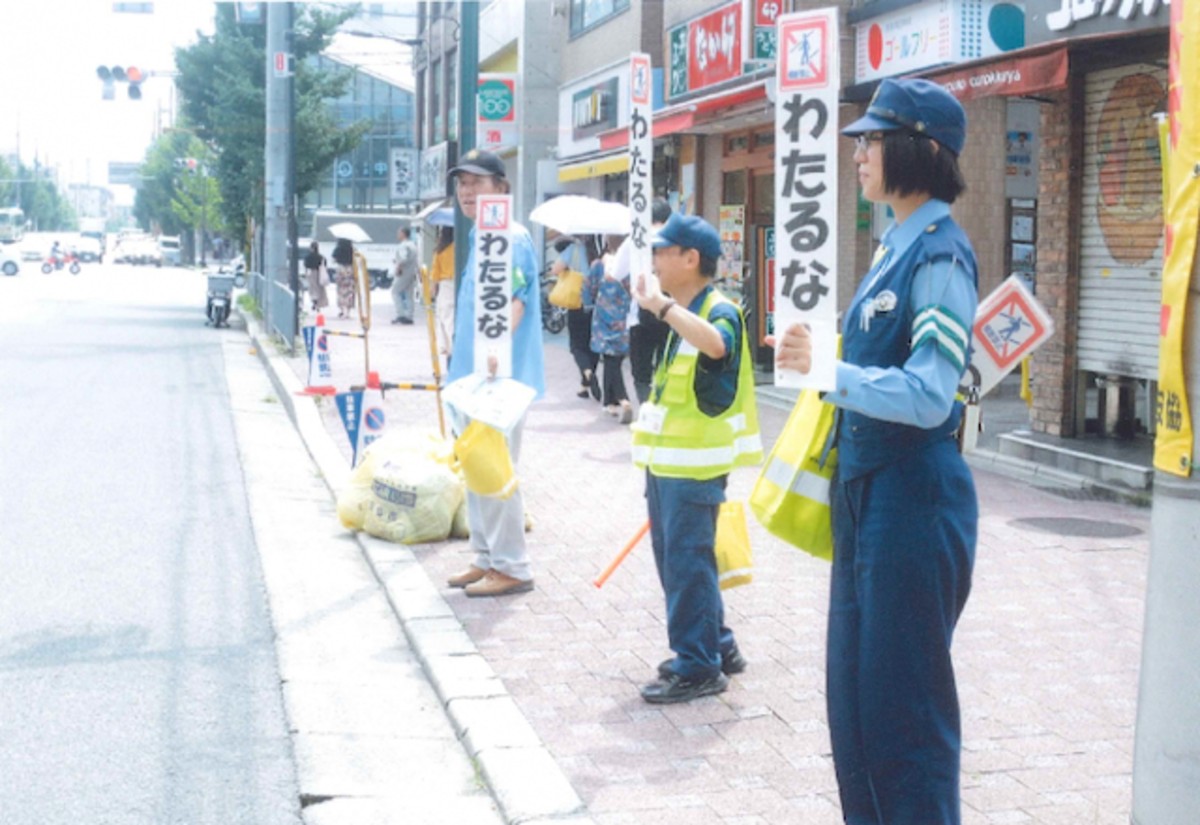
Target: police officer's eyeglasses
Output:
[{"x": 863, "y": 142}]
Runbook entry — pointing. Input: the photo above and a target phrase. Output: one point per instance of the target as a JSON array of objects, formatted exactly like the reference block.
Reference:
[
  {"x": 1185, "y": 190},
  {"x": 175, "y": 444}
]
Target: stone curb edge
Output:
[{"x": 528, "y": 785}]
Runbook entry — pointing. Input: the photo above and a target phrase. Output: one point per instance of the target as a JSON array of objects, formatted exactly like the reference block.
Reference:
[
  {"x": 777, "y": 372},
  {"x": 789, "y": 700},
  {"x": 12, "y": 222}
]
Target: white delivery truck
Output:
[{"x": 379, "y": 251}]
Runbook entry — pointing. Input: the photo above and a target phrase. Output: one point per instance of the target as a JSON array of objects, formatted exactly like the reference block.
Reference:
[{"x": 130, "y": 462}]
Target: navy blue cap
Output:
[
  {"x": 479, "y": 162},
  {"x": 921, "y": 105},
  {"x": 689, "y": 232}
]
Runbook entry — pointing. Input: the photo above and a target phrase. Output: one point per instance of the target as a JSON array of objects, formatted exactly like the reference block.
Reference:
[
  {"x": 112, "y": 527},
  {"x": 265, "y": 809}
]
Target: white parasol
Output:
[{"x": 581, "y": 215}]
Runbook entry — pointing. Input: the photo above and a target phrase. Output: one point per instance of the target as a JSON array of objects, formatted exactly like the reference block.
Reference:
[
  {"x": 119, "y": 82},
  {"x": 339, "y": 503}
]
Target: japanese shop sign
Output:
[
  {"x": 496, "y": 112},
  {"x": 705, "y": 51},
  {"x": 806, "y": 188},
  {"x": 493, "y": 283},
  {"x": 641, "y": 163},
  {"x": 403, "y": 177},
  {"x": 1054, "y": 19},
  {"x": 934, "y": 33},
  {"x": 762, "y": 34},
  {"x": 1009, "y": 325},
  {"x": 435, "y": 164},
  {"x": 363, "y": 417}
]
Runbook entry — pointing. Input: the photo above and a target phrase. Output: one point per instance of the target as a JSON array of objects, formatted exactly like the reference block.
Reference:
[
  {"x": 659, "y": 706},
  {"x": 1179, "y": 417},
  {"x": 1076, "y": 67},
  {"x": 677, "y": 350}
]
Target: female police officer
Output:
[{"x": 904, "y": 508}]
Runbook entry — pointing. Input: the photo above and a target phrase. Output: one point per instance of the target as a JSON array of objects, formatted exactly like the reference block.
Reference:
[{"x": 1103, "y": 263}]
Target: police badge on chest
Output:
[{"x": 881, "y": 304}]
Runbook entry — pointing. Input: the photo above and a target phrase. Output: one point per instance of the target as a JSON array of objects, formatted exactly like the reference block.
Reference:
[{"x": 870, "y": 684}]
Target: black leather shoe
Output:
[
  {"x": 732, "y": 663},
  {"x": 675, "y": 688}
]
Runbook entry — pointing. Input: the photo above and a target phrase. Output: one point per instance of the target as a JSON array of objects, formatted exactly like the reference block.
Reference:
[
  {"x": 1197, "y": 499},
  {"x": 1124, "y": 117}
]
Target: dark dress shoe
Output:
[
  {"x": 675, "y": 688},
  {"x": 732, "y": 663}
]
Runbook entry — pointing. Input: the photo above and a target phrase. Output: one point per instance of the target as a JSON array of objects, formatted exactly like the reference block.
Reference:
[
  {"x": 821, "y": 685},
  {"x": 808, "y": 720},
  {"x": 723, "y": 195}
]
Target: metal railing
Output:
[{"x": 277, "y": 302}]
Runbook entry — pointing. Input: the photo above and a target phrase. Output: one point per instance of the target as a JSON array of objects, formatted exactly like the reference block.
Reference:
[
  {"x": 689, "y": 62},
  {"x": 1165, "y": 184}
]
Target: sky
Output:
[{"x": 50, "y": 100}]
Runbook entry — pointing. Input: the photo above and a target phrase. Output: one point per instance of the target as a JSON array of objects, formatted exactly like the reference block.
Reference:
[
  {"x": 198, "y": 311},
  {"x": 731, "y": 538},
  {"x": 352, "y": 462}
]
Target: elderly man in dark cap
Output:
[{"x": 501, "y": 564}]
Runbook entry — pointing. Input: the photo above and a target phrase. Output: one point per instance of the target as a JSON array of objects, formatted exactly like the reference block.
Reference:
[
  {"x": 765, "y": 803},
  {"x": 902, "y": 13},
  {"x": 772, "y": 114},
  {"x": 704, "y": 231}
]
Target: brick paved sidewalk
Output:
[{"x": 1047, "y": 652}]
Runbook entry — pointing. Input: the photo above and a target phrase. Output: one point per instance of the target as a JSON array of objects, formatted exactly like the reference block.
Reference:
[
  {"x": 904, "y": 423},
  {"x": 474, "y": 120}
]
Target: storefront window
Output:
[
  {"x": 733, "y": 187},
  {"x": 588, "y": 13}
]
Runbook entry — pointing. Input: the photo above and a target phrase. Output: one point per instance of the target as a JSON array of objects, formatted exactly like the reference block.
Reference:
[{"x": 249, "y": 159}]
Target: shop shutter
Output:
[{"x": 1122, "y": 222}]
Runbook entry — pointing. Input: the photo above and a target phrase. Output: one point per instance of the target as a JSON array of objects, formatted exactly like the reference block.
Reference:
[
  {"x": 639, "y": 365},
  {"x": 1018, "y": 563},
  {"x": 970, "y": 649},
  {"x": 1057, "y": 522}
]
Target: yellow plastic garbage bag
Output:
[
  {"x": 791, "y": 496},
  {"x": 735, "y": 565},
  {"x": 486, "y": 463},
  {"x": 413, "y": 501}
]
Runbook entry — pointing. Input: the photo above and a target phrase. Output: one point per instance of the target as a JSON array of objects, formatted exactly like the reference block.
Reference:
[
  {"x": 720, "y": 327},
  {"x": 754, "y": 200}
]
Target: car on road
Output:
[
  {"x": 89, "y": 249},
  {"x": 137, "y": 249},
  {"x": 9, "y": 264},
  {"x": 169, "y": 247}
]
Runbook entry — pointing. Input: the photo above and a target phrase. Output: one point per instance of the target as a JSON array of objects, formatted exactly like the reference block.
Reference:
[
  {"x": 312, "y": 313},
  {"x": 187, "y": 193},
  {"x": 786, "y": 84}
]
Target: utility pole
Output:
[
  {"x": 1166, "y": 751},
  {"x": 277, "y": 167},
  {"x": 468, "y": 85}
]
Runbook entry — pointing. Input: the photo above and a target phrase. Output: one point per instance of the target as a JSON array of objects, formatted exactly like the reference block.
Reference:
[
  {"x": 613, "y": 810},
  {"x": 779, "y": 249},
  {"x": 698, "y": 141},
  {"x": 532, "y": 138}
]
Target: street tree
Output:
[{"x": 222, "y": 84}]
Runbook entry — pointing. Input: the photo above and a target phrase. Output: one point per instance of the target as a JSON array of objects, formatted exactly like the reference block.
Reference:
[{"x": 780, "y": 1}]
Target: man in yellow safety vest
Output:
[{"x": 698, "y": 424}]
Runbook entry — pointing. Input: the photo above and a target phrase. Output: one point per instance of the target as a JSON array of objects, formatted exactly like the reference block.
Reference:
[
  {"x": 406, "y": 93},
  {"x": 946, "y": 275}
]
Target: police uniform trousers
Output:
[
  {"x": 498, "y": 524},
  {"x": 683, "y": 528},
  {"x": 904, "y": 548}
]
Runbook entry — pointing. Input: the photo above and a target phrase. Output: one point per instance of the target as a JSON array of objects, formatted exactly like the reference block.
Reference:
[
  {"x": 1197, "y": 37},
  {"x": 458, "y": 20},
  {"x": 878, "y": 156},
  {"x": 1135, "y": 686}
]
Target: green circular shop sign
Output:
[{"x": 495, "y": 100}]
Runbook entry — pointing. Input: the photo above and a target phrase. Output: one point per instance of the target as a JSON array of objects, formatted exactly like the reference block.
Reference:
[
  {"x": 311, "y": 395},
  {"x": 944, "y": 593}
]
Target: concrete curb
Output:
[{"x": 528, "y": 785}]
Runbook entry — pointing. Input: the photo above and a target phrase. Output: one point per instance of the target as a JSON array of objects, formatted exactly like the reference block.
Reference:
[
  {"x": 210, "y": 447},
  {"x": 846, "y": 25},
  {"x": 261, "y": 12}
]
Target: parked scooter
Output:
[
  {"x": 57, "y": 260},
  {"x": 220, "y": 295}
]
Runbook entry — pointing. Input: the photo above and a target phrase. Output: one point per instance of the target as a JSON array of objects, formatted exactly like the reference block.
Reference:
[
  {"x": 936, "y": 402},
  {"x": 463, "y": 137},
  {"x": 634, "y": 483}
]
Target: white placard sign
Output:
[
  {"x": 641, "y": 163},
  {"x": 806, "y": 189},
  {"x": 493, "y": 283}
]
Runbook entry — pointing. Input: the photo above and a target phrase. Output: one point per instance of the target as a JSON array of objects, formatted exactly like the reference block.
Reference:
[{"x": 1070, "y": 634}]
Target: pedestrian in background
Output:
[
  {"x": 404, "y": 276},
  {"x": 314, "y": 269},
  {"x": 647, "y": 334},
  {"x": 905, "y": 515},
  {"x": 699, "y": 423},
  {"x": 501, "y": 564},
  {"x": 343, "y": 256},
  {"x": 573, "y": 256},
  {"x": 441, "y": 276},
  {"x": 610, "y": 299}
]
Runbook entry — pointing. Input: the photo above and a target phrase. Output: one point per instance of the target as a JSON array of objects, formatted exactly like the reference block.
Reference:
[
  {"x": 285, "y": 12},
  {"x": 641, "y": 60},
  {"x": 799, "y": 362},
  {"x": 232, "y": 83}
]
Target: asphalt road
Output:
[{"x": 138, "y": 680}]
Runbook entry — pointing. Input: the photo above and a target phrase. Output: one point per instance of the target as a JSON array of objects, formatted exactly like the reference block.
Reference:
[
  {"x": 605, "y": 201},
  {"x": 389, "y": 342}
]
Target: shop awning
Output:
[
  {"x": 1043, "y": 69},
  {"x": 684, "y": 116},
  {"x": 594, "y": 168}
]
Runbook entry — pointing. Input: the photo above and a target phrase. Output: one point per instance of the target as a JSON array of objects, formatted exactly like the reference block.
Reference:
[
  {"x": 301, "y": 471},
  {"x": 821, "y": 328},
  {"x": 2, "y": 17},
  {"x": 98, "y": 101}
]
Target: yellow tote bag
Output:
[
  {"x": 791, "y": 496},
  {"x": 568, "y": 292},
  {"x": 486, "y": 463},
  {"x": 732, "y": 547}
]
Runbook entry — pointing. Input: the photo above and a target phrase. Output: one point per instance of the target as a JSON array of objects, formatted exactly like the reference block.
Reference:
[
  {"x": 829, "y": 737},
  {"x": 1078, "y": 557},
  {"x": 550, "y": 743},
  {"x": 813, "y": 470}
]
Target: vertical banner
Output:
[
  {"x": 641, "y": 166},
  {"x": 493, "y": 283},
  {"x": 1173, "y": 439},
  {"x": 316, "y": 344},
  {"x": 496, "y": 124},
  {"x": 806, "y": 188},
  {"x": 363, "y": 417}
]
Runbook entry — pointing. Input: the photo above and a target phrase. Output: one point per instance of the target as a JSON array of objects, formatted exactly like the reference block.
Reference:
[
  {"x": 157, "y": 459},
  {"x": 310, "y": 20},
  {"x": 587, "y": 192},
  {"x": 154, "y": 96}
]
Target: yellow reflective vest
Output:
[{"x": 674, "y": 439}]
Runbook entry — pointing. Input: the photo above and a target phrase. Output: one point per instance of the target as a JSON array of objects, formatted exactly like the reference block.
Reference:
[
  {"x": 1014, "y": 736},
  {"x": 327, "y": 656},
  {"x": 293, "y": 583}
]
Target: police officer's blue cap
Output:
[
  {"x": 917, "y": 104},
  {"x": 689, "y": 232}
]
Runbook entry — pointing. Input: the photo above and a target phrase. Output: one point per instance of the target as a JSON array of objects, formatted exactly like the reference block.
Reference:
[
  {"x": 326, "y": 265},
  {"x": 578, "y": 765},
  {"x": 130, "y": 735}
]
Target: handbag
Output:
[
  {"x": 568, "y": 292},
  {"x": 791, "y": 496},
  {"x": 732, "y": 546},
  {"x": 486, "y": 463}
]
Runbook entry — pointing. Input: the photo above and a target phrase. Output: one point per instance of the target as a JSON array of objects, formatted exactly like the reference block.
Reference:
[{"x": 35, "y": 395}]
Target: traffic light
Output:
[
  {"x": 189, "y": 164},
  {"x": 109, "y": 75}
]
